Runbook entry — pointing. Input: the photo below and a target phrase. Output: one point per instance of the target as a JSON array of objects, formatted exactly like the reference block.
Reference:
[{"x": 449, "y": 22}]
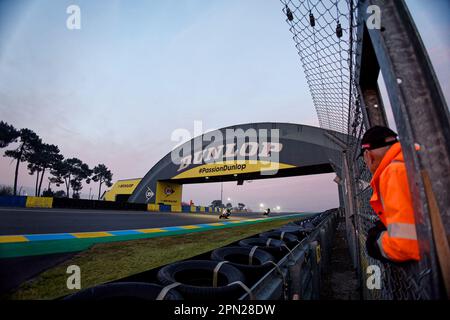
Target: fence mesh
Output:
[
  {"x": 320, "y": 30},
  {"x": 325, "y": 35}
]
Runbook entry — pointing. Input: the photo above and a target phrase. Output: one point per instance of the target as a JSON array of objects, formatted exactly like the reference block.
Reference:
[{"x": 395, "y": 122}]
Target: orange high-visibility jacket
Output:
[{"x": 391, "y": 200}]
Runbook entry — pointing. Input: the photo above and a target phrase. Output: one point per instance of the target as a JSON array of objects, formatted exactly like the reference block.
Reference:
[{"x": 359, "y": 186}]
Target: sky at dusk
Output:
[{"x": 115, "y": 90}]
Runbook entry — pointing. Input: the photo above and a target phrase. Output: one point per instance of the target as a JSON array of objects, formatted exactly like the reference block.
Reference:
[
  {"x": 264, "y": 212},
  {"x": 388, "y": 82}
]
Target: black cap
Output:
[{"x": 375, "y": 138}]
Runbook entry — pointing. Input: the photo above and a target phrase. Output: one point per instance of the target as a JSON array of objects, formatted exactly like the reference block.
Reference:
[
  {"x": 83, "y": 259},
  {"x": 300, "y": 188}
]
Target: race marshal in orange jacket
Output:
[{"x": 394, "y": 237}]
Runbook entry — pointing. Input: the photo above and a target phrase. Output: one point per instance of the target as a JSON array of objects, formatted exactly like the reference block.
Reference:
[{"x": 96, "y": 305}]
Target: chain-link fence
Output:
[
  {"x": 326, "y": 34},
  {"x": 320, "y": 30}
]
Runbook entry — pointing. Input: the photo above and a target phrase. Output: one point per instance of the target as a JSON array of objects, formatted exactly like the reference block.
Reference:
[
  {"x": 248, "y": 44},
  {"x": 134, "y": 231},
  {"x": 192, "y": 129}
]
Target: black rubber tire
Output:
[
  {"x": 196, "y": 277},
  {"x": 301, "y": 224},
  {"x": 297, "y": 231},
  {"x": 307, "y": 225},
  {"x": 276, "y": 247},
  {"x": 290, "y": 239},
  {"x": 124, "y": 291},
  {"x": 239, "y": 257},
  {"x": 316, "y": 220},
  {"x": 251, "y": 242}
]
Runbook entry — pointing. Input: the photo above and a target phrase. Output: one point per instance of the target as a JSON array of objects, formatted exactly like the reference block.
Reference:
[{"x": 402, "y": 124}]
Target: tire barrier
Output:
[
  {"x": 196, "y": 278},
  {"x": 290, "y": 239},
  {"x": 153, "y": 207},
  {"x": 305, "y": 226},
  {"x": 165, "y": 208},
  {"x": 13, "y": 201},
  {"x": 126, "y": 291},
  {"x": 252, "y": 261},
  {"x": 276, "y": 248},
  {"x": 39, "y": 202},
  {"x": 297, "y": 231},
  {"x": 261, "y": 267}
]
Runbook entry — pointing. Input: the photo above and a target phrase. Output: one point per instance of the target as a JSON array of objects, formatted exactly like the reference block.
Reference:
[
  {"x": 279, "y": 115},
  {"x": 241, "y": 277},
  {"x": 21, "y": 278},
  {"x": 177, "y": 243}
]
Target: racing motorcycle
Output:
[{"x": 225, "y": 214}]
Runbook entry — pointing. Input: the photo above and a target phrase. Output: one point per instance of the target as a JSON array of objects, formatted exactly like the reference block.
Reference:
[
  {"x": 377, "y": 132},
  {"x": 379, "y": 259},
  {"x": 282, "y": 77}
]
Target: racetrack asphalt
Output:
[{"x": 16, "y": 221}]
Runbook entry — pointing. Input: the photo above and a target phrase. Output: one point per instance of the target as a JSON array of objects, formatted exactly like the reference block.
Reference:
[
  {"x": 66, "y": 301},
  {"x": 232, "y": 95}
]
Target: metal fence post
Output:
[
  {"x": 315, "y": 270},
  {"x": 372, "y": 106},
  {"x": 351, "y": 215}
]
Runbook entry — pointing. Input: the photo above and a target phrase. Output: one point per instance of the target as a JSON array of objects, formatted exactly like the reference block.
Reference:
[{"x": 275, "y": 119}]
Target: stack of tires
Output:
[
  {"x": 253, "y": 262},
  {"x": 306, "y": 225},
  {"x": 288, "y": 238},
  {"x": 189, "y": 279},
  {"x": 204, "y": 279},
  {"x": 227, "y": 275},
  {"x": 277, "y": 248},
  {"x": 280, "y": 241}
]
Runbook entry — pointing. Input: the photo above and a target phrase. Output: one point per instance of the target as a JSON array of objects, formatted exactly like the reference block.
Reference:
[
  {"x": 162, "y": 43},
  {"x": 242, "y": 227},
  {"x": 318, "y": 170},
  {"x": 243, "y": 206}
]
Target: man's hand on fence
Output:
[{"x": 371, "y": 243}]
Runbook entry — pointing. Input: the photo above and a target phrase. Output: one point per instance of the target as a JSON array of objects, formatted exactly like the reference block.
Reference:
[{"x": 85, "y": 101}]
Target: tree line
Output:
[
  {"x": 42, "y": 158},
  {"x": 219, "y": 204}
]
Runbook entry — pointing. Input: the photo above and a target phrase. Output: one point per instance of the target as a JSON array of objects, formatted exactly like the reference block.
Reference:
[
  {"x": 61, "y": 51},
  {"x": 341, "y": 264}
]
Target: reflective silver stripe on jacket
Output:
[
  {"x": 380, "y": 245},
  {"x": 382, "y": 201},
  {"x": 402, "y": 230}
]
